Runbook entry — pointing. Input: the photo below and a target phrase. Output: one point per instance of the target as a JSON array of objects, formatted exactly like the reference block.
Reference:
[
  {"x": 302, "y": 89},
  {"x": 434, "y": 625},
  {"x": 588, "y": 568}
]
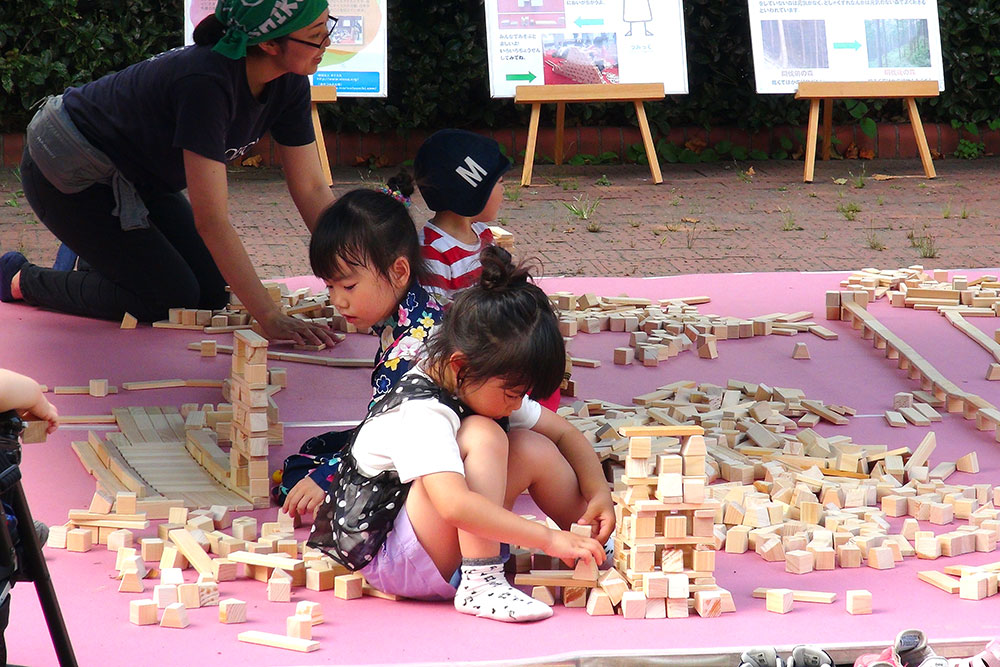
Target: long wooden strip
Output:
[
  {"x": 278, "y": 641},
  {"x": 299, "y": 358},
  {"x": 939, "y": 580},
  {"x": 86, "y": 419},
  {"x": 974, "y": 332},
  {"x": 188, "y": 546},
  {"x": 92, "y": 464},
  {"x": 801, "y": 596},
  {"x": 552, "y": 579},
  {"x": 272, "y": 560}
]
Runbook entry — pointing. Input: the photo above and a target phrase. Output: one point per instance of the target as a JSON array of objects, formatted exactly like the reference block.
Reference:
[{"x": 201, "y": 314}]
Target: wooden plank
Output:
[
  {"x": 622, "y": 92},
  {"x": 822, "y": 597},
  {"x": 865, "y": 89},
  {"x": 939, "y": 580},
  {"x": 278, "y": 641},
  {"x": 191, "y": 550}
]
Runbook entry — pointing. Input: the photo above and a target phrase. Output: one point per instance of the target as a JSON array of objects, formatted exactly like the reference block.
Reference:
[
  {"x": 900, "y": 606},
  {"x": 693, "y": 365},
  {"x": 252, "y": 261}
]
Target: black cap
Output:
[{"x": 456, "y": 171}]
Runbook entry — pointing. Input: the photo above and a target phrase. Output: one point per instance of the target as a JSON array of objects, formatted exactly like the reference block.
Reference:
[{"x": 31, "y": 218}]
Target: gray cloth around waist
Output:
[{"x": 72, "y": 164}]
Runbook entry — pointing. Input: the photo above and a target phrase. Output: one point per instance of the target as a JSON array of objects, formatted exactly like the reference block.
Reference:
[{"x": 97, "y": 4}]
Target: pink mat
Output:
[{"x": 64, "y": 350}]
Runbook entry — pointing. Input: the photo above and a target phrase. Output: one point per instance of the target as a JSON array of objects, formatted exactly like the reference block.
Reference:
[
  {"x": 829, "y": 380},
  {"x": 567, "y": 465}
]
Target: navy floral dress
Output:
[{"x": 401, "y": 339}]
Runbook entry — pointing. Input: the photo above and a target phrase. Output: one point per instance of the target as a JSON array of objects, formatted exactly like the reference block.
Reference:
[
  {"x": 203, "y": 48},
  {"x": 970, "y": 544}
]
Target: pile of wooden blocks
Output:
[
  {"x": 300, "y": 303},
  {"x": 913, "y": 287},
  {"x": 249, "y": 475},
  {"x": 665, "y": 536},
  {"x": 661, "y": 331},
  {"x": 956, "y": 299},
  {"x": 792, "y": 495}
]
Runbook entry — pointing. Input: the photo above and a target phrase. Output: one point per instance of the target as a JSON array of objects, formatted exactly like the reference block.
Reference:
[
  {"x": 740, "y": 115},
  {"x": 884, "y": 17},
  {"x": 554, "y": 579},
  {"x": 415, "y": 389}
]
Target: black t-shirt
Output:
[{"x": 188, "y": 98}]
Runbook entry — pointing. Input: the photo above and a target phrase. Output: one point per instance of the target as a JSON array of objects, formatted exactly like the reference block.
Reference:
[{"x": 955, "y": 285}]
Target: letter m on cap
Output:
[{"x": 474, "y": 174}]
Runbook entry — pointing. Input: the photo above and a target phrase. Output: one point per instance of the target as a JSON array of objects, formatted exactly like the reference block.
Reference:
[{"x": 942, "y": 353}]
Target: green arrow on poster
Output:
[
  {"x": 529, "y": 77},
  {"x": 847, "y": 45},
  {"x": 582, "y": 22}
]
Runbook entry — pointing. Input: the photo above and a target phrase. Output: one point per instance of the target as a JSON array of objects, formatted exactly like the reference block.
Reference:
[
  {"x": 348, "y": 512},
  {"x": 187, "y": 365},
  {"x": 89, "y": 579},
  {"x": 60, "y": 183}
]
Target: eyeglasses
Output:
[{"x": 331, "y": 24}]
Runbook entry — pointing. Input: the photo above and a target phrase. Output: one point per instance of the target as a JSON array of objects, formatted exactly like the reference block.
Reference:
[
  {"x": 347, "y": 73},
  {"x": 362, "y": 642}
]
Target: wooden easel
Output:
[
  {"x": 559, "y": 95},
  {"x": 828, "y": 91},
  {"x": 320, "y": 95}
]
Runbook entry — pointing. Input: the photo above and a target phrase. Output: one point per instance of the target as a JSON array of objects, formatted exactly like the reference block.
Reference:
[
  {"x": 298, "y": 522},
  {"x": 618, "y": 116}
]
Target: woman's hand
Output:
[{"x": 278, "y": 326}]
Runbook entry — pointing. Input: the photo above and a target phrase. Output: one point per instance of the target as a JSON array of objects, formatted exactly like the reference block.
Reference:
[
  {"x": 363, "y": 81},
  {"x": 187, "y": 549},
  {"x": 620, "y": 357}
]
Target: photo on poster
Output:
[
  {"x": 574, "y": 42},
  {"x": 844, "y": 41},
  {"x": 350, "y": 31},
  {"x": 795, "y": 44},
  {"x": 898, "y": 43},
  {"x": 580, "y": 58},
  {"x": 528, "y": 14}
]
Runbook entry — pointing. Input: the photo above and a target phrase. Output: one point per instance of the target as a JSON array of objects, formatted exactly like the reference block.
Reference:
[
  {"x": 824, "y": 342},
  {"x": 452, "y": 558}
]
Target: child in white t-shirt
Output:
[{"x": 429, "y": 481}]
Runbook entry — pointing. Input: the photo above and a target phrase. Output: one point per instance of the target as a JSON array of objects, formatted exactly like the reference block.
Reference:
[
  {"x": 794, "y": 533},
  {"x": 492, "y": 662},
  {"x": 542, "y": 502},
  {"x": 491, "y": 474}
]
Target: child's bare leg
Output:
[
  {"x": 438, "y": 538},
  {"x": 535, "y": 464},
  {"x": 483, "y": 445},
  {"x": 484, "y": 590}
]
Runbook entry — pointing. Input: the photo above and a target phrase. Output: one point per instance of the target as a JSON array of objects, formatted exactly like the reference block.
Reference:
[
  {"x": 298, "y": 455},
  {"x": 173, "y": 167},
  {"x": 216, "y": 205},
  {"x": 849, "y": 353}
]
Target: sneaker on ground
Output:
[
  {"x": 809, "y": 656},
  {"x": 761, "y": 656}
]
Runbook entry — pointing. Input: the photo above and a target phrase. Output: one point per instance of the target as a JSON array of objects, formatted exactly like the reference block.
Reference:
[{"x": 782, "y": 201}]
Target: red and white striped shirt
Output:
[{"x": 451, "y": 265}]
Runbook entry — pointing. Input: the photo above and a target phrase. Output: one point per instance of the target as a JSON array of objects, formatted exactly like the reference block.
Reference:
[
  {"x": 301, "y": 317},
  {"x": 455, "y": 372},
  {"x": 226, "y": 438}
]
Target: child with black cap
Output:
[{"x": 460, "y": 176}]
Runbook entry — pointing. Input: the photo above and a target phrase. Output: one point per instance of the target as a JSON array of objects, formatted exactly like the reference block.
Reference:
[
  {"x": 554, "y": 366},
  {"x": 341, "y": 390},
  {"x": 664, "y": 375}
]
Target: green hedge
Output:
[{"x": 437, "y": 66}]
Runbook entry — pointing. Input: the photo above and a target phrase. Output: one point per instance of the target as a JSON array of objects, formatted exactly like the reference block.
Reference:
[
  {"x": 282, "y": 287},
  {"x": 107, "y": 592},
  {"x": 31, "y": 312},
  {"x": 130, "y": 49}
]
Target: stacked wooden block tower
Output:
[
  {"x": 665, "y": 543},
  {"x": 249, "y": 475}
]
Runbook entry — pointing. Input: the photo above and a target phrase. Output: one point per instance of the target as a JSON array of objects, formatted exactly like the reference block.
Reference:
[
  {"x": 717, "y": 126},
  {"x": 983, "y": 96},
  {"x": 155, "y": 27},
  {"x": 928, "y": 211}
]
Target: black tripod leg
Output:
[{"x": 33, "y": 568}]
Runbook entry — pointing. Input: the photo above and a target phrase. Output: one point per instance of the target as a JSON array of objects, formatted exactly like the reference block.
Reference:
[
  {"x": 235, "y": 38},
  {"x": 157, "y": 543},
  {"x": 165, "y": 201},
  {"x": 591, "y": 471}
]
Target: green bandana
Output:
[{"x": 250, "y": 22}]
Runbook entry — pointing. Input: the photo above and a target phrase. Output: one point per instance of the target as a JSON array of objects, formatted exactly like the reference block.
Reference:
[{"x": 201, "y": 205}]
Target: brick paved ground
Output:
[{"x": 703, "y": 219}]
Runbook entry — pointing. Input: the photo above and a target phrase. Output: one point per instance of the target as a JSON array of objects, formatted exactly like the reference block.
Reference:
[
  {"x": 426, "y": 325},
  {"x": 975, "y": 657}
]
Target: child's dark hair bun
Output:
[
  {"x": 499, "y": 271},
  {"x": 403, "y": 182}
]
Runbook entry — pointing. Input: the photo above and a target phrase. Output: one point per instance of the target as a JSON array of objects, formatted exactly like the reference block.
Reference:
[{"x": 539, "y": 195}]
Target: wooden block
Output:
[
  {"x": 119, "y": 538},
  {"x": 142, "y": 612},
  {"x": 881, "y": 558},
  {"x": 98, "y": 388},
  {"x": 968, "y": 463},
  {"x": 299, "y": 626},
  {"x": 849, "y": 555},
  {"x": 348, "y": 586},
  {"x": 232, "y": 611},
  {"x": 895, "y": 419},
  {"x": 974, "y": 586},
  {"x": 278, "y": 641},
  {"x": 708, "y": 604},
  {"x": 208, "y": 348},
  {"x": 164, "y": 595},
  {"x": 779, "y": 600},
  {"x": 546, "y": 594},
  {"x": 634, "y": 604},
  {"x": 125, "y": 502},
  {"x": 57, "y": 537},
  {"x": 102, "y": 502},
  {"x": 800, "y": 351},
  {"x": 189, "y": 596},
  {"x": 677, "y": 608},
  {"x": 320, "y": 580},
  {"x": 574, "y": 596},
  {"x": 612, "y": 583},
  {"x": 624, "y": 356},
  {"x": 598, "y": 603},
  {"x": 131, "y": 582},
  {"x": 129, "y": 321},
  {"x": 799, "y": 562},
  {"x": 279, "y": 586},
  {"x": 859, "y": 601},
  {"x": 79, "y": 539}
]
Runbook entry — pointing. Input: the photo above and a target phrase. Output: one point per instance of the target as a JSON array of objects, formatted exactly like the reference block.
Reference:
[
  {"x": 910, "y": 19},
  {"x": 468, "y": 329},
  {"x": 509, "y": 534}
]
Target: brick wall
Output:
[{"x": 893, "y": 140}]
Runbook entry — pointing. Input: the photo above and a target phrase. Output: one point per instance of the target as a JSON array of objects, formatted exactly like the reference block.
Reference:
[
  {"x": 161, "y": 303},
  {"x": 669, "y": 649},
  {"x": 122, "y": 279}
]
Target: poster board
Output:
[
  {"x": 557, "y": 42},
  {"x": 844, "y": 40},
  {"x": 356, "y": 61}
]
